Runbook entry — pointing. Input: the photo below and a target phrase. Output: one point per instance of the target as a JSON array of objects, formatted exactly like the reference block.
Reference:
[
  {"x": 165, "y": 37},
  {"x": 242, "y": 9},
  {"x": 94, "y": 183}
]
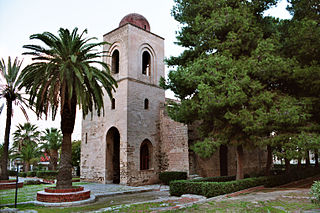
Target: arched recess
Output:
[
  {"x": 146, "y": 150},
  {"x": 113, "y": 156},
  {"x": 115, "y": 64},
  {"x": 148, "y": 60}
]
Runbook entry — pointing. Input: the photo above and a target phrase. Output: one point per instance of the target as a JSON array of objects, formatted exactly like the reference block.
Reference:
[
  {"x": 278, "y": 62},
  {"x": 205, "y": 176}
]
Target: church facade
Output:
[{"x": 136, "y": 140}]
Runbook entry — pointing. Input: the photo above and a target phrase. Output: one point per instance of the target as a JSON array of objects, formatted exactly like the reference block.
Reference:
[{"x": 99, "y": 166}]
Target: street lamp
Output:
[{"x": 18, "y": 162}]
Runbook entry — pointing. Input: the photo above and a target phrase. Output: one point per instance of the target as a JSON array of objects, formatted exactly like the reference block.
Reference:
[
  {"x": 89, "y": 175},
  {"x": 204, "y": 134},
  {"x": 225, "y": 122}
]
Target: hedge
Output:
[
  {"x": 47, "y": 174},
  {"x": 12, "y": 172},
  {"x": 31, "y": 174},
  {"x": 215, "y": 179},
  {"x": 293, "y": 175},
  {"x": 211, "y": 189},
  {"x": 22, "y": 174},
  {"x": 167, "y": 177}
]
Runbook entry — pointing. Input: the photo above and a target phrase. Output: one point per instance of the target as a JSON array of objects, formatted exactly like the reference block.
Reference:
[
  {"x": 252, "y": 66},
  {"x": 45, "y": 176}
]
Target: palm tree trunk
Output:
[
  {"x": 54, "y": 159},
  {"x": 240, "y": 174},
  {"x": 4, "y": 161},
  {"x": 27, "y": 166},
  {"x": 269, "y": 160},
  {"x": 68, "y": 117}
]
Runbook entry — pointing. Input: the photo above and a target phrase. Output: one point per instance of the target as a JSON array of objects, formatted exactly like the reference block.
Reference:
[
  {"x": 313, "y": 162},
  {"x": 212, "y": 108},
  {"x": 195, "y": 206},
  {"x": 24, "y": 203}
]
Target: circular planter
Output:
[
  {"x": 73, "y": 189},
  {"x": 53, "y": 195},
  {"x": 9, "y": 184}
]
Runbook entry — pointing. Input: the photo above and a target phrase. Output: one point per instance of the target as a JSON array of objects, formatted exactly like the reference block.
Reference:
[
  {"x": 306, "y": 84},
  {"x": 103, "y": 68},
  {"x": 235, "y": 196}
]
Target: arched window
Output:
[
  {"x": 145, "y": 155},
  {"x": 146, "y": 103},
  {"x": 115, "y": 61},
  {"x": 146, "y": 63},
  {"x": 113, "y": 103}
]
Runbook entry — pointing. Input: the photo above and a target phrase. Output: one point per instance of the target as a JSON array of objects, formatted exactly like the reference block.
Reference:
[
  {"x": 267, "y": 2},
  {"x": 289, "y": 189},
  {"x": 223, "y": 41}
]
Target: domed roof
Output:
[{"x": 137, "y": 20}]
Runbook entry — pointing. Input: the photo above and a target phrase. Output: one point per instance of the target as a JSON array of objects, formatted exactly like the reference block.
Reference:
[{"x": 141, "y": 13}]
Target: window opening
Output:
[
  {"x": 146, "y": 103},
  {"x": 86, "y": 138},
  {"x": 115, "y": 62},
  {"x": 113, "y": 103},
  {"x": 144, "y": 157},
  {"x": 146, "y": 63}
]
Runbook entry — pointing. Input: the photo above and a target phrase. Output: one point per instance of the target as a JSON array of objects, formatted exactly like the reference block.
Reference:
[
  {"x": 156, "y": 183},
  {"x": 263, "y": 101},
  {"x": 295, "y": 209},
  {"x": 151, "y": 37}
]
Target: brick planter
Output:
[
  {"x": 9, "y": 184},
  {"x": 52, "y": 195}
]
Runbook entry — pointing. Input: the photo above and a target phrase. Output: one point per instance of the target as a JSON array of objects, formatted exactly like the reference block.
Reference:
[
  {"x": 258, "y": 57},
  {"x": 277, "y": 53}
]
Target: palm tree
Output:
[
  {"x": 11, "y": 92},
  {"x": 64, "y": 76},
  {"x": 25, "y": 143},
  {"x": 28, "y": 153},
  {"x": 52, "y": 142},
  {"x": 25, "y": 134}
]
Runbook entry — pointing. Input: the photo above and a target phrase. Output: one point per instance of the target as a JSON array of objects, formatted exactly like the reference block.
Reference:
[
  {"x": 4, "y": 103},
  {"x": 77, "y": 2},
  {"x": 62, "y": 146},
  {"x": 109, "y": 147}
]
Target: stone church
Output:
[{"x": 136, "y": 139}]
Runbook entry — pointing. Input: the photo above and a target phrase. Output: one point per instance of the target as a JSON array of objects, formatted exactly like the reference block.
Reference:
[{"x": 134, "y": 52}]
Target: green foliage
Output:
[
  {"x": 47, "y": 174},
  {"x": 32, "y": 182},
  {"x": 76, "y": 152},
  {"x": 215, "y": 186},
  {"x": 12, "y": 172},
  {"x": 64, "y": 69},
  {"x": 215, "y": 179},
  {"x": 51, "y": 139},
  {"x": 167, "y": 177},
  {"x": 315, "y": 191},
  {"x": 31, "y": 174},
  {"x": 211, "y": 189},
  {"x": 22, "y": 174},
  {"x": 293, "y": 175}
]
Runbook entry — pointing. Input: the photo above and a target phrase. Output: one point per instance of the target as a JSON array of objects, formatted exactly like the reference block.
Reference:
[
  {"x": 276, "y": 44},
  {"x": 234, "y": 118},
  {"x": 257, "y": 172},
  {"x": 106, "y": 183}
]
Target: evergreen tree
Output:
[{"x": 230, "y": 76}]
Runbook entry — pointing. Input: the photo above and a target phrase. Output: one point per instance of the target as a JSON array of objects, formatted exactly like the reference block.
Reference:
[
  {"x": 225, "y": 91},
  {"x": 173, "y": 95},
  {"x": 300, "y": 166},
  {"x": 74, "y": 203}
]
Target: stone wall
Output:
[{"x": 173, "y": 154}]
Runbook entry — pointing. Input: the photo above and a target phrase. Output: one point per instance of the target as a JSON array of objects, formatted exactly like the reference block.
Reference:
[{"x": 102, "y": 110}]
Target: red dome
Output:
[{"x": 137, "y": 20}]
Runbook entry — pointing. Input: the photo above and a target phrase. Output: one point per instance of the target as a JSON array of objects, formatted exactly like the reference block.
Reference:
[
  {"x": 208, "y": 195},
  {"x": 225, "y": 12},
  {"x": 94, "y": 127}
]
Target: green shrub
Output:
[
  {"x": 211, "y": 189},
  {"x": 315, "y": 191},
  {"x": 32, "y": 182},
  {"x": 293, "y": 175},
  {"x": 215, "y": 179},
  {"x": 22, "y": 174},
  {"x": 31, "y": 174},
  {"x": 47, "y": 174},
  {"x": 12, "y": 172},
  {"x": 166, "y": 177}
]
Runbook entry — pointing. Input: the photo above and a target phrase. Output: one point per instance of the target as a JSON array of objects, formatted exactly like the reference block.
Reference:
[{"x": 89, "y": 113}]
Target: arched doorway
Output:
[
  {"x": 146, "y": 155},
  {"x": 113, "y": 156}
]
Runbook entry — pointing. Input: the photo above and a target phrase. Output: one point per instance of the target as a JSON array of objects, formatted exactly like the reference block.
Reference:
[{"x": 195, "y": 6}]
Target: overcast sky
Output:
[{"x": 21, "y": 18}]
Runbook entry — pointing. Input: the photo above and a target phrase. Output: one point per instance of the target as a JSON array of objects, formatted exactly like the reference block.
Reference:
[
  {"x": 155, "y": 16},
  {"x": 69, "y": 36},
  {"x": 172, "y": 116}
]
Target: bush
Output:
[
  {"x": 215, "y": 179},
  {"x": 315, "y": 192},
  {"x": 12, "y": 172},
  {"x": 166, "y": 177},
  {"x": 22, "y": 174},
  {"x": 31, "y": 174},
  {"x": 32, "y": 182},
  {"x": 293, "y": 175},
  {"x": 47, "y": 174},
  {"x": 211, "y": 189}
]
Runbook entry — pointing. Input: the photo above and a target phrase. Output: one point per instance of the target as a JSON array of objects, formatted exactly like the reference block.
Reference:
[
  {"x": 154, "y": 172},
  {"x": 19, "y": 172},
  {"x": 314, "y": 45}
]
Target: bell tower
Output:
[{"x": 128, "y": 134}]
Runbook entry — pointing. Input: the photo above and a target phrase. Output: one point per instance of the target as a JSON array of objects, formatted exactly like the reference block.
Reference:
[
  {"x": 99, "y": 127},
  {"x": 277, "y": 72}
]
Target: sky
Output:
[{"x": 21, "y": 18}]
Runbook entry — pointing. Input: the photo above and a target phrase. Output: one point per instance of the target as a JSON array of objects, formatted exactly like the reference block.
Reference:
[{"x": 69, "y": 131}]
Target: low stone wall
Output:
[
  {"x": 10, "y": 184},
  {"x": 51, "y": 195}
]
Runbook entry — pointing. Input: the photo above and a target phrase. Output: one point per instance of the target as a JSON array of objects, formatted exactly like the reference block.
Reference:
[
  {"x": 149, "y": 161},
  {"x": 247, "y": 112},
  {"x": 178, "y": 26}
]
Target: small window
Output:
[
  {"x": 113, "y": 103},
  {"x": 115, "y": 62},
  {"x": 86, "y": 138},
  {"x": 146, "y": 103},
  {"x": 146, "y": 63}
]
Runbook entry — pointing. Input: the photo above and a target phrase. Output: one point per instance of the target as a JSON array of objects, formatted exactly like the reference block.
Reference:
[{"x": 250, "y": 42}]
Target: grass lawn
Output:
[{"x": 26, "y": 193}]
